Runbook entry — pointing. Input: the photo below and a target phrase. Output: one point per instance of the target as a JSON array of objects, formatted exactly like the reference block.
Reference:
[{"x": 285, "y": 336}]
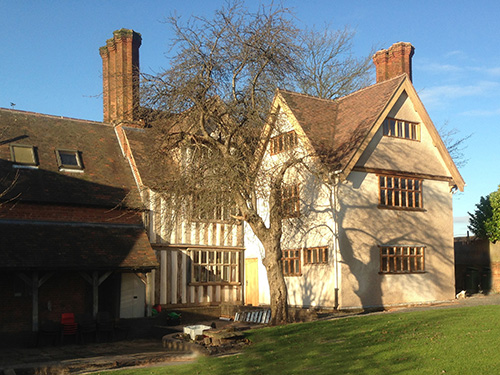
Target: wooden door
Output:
[
  {"x": 252, "y": 281},
  {"x": 133, "y": 296}
]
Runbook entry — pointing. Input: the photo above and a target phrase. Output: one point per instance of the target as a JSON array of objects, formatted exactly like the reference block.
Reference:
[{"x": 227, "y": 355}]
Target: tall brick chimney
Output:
[
  {"x": 120, "y": 76},
  {"x": 394, "y": 61}
]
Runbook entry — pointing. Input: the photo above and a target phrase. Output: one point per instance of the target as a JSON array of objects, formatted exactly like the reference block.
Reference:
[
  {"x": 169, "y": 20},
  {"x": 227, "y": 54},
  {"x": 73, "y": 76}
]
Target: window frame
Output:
[
  {"x": 69, "y": 167},
  {"x": 20, "y": 164},
  {"x": 283, "y": 142},
  {"x": 396, "y": 192},
  {"x": 291, "y": 257},
  {"x": 400, "y": 262},
  {"x": 316, "y": 255},
  {"x": 222, "y": 211},
  {"x": 211, "y": 267},
  {"x": 290, "y": 200},
  {"x": 403, "y": 129}
]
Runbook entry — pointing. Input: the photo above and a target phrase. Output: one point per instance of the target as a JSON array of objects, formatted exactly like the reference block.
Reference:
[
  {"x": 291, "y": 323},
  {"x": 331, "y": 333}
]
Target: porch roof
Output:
[{"x": 74, "y": 246}]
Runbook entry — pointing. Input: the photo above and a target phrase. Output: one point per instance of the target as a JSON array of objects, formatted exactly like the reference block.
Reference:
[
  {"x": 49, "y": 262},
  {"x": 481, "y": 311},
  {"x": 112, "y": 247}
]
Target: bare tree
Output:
[
  {"x": 208, "y": 110},
  {"x": 7, "y": 181},
  {"x": 329, "y": 67},
  {"x": 455, "y": 144}
]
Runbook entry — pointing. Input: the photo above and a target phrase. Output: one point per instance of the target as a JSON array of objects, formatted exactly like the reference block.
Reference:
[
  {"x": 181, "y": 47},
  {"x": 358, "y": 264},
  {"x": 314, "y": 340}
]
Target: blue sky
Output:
[{"x": 49, "y": 60}]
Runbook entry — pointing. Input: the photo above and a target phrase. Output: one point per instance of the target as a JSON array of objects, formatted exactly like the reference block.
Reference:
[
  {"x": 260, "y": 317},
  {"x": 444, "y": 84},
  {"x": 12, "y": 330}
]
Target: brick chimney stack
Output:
[
  {"x": 120, "y": 76},
  {"x": 396, "y": 60}
]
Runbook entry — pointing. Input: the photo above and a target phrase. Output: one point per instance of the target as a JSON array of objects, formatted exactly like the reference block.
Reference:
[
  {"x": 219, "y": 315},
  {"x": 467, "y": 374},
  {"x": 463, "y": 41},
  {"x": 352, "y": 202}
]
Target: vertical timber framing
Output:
[
  {"x": 181, "y": 288},
  {"x": 35, "y": 282},
  {"x": 172, "y": 237},
  {"x": 95, "y": 281}
]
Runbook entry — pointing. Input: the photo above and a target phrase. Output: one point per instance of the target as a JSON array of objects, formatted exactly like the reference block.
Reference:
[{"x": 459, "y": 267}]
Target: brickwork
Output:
[
  {"x": 15, "y": 309},
  {"x": 45, "y": 212},
  {"x": 394, "y": 61},
  {"x": 120, "y": 66},
  {"x": 62, "y": 292},
  {"x": 495, "y": 277}
]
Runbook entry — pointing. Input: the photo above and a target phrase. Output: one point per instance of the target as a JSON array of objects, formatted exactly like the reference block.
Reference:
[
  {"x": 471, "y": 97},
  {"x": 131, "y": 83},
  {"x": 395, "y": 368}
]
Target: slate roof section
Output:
[
  {"x": 336, "y": 128},
  {"x": 74, "y": 246},
  {"x": 152, "y": 168},
  {"x": 106, "y": 181},
  {"x": 140, "y": 143}
]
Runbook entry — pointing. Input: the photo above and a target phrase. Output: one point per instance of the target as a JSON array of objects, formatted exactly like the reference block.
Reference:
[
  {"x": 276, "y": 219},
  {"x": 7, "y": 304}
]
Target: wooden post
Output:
[
  {"x": 95, "y": 293},
  {"x": 95, "y": 281},
  {"x": 34, "y": 283},
  {"x": 149, "y": 290}
]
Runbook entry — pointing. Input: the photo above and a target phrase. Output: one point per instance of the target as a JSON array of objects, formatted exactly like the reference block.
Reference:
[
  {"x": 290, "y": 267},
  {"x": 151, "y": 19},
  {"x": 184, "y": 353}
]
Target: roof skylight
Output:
[
  {"x": 69, "y": 160},
  {"x": 24, "y": 156}
]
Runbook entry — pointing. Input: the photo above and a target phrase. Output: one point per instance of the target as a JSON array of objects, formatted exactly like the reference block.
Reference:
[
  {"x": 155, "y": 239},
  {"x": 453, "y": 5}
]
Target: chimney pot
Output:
[
  {"x": 394, "y": 61},
  {"x": 120, "y": 74}
]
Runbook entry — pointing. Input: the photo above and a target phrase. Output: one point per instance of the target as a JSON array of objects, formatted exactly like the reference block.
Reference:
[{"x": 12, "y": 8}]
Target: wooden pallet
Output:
[{"x": 258, "y": 316}]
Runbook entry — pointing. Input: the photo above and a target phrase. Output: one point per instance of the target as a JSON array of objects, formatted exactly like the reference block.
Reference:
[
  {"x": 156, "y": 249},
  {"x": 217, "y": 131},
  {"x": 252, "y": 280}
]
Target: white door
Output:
[{"x": 133, "y": 296}]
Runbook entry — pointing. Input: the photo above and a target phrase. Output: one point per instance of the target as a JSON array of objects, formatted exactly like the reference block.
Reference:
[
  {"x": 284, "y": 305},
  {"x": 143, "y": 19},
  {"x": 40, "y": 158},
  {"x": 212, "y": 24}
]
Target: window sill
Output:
[
  {"x": 317, "y": 264},
  {"x": 215, "y": 221},
  {"x": 24, "y": 166},
  {"x": 215, "y": 283},
  {"x": 416, "y": 209},
  {"x": 71, "y": 170},
  {"x": 402, "y": 273}
]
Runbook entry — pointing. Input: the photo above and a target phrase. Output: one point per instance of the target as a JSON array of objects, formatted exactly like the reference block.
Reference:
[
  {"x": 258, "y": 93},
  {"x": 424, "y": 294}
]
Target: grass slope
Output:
[{"x": 452, "y": 341}]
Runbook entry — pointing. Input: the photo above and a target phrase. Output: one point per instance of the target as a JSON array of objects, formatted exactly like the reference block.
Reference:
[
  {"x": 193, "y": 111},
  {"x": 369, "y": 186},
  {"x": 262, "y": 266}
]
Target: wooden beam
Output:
[
  {"x": 95, "y": 281},
  {"x": 45, "y": 278},
  {"x": 403, "y": 174},
  {"x": 104, "y": 277},
  {"x": 86, "y": 277}
]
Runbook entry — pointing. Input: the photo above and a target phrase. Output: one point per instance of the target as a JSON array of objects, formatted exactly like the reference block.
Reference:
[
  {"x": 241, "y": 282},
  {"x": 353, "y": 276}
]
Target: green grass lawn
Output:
[{"x": 447, "y": 341}]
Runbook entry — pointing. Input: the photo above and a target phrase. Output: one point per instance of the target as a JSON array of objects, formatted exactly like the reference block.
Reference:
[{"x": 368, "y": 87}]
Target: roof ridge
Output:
[
  {"x": 372, "y": 86},
  {"x": 346, "y": 96},
  {"x": 308, "y": 96},
  {"x": 38, "y": 114}
]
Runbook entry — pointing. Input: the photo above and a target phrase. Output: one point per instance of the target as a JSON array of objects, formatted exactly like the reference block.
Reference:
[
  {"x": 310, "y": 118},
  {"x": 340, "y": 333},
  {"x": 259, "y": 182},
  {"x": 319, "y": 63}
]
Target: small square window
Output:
[
  {"x": 23, "y": 155},
  {"x": 69, "y": 160},
  {"x": 291, "y": 262},
  {"x": 402, "y": 259},
  {"x": 316, "y": 255}
]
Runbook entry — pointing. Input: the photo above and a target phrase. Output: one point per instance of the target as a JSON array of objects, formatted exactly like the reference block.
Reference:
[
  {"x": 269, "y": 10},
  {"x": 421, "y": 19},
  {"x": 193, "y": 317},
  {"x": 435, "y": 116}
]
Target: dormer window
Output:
[
  {"x": 24, "y": 156},
  {"x": 69, "y": 160},
  {"x": 401, "y": 129},
  {"x": 283, "y": 142}
]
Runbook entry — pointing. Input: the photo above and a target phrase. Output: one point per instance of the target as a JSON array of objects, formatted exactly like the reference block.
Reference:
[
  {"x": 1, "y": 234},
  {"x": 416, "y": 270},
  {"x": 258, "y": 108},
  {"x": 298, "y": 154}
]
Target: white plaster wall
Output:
[
  {"x": 315, "y": 227},
  {"x": 364, "y": 227},
  {"x": 402, "y": 154}
]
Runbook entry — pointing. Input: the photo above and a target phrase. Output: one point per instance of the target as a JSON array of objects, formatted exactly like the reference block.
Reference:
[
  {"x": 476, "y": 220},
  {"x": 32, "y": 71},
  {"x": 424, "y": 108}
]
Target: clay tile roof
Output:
[
  {"x": 106, "y": 179},
  {"x": 152, "y": 167},
  {"x": 336, "y": 128},
  {"x": 75, "y": 246}
]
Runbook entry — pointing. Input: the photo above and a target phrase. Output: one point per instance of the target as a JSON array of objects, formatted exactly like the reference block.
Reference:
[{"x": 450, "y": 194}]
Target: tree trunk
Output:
[
  {"x": 278, "y": 290},
  {"x": 271, "y": 241},
  {"x": 277, "y": 285}
]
